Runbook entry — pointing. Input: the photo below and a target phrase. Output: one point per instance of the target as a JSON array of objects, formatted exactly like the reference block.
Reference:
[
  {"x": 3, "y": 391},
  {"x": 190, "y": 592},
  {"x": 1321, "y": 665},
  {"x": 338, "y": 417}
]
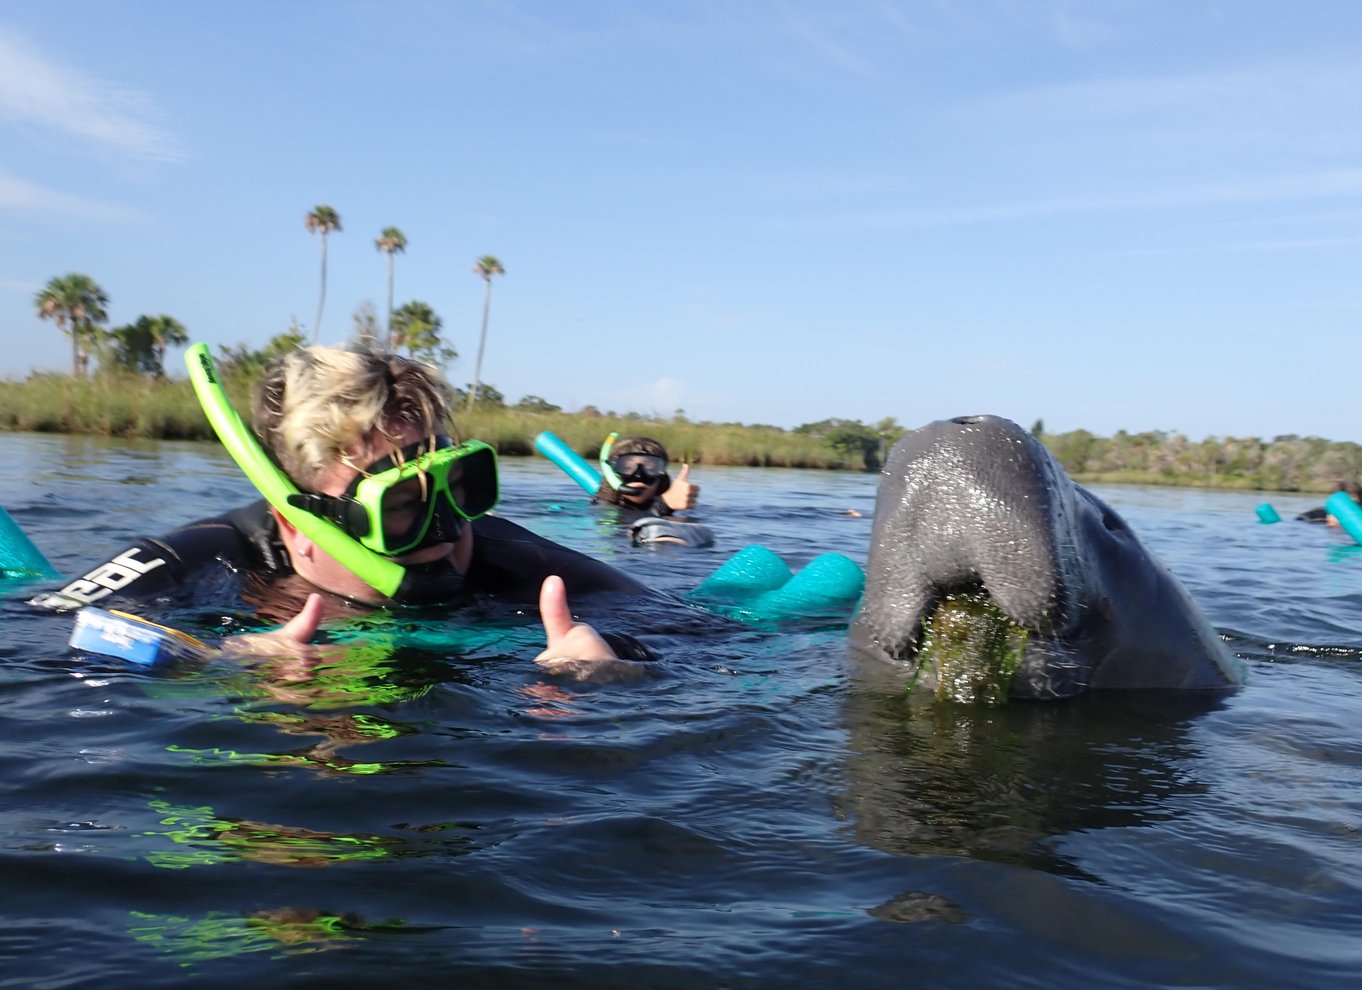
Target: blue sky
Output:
[{"x": 1106, "y": 215}]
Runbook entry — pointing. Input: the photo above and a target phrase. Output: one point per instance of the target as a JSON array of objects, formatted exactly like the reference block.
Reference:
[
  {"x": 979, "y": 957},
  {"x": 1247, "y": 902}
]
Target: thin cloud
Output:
[
  {"x": 633, "y": 139},
  {"x": 20, "y": 195},
  {"x": 1307, "y": 186},
  {"x": 1076, "y": 28},
  {"x": 819, "y": 40},
  {"x": 1246, "y": 247},
  {"x": 37, "y": 92},
  {"x": 20, "y": 285},
  {"x": 660, "y": 398},
  {"x": 1274, "y": 102}
]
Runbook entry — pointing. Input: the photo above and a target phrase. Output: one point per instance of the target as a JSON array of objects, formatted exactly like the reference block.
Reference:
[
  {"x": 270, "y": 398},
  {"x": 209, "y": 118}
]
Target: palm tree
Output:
[
  {"x": 417, "y": 328},
  {"x": 141, "y": 346},
  {"x": 75, "y": 301},
  {"x": 485, "y": 269},
  {"x": 323, "y": 219},
  {"x": 166, "y": 331},
  {"x": 392, "y": 241}
]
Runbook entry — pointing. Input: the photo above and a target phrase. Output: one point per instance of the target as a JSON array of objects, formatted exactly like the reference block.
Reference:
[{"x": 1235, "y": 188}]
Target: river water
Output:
[{"x": 437, "y": 811}]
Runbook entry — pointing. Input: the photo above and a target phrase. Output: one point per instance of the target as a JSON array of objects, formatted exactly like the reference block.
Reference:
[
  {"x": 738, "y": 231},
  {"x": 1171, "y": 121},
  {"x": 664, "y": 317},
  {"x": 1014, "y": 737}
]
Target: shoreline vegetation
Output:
[{"x": 130, "y": 405}]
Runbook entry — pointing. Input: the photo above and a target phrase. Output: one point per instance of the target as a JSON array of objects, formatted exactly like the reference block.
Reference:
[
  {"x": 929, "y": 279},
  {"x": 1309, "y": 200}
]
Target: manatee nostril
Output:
[{"x": 968, "y": 420}]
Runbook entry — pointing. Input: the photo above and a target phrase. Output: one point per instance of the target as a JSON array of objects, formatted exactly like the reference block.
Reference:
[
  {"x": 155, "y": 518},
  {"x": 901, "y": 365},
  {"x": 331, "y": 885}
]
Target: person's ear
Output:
[
  {"x": 286, "y": 529},
  {"x": 298, "y": 545}
]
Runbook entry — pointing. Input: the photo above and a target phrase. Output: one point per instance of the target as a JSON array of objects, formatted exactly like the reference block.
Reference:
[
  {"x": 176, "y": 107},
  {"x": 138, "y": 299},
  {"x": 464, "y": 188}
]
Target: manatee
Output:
[{"x": 992, "y": 575}]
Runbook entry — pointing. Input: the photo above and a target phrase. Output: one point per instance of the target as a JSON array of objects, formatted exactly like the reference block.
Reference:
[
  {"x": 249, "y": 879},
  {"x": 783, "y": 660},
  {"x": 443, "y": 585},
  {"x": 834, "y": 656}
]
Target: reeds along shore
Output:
[{"x": 132, "y": 406}]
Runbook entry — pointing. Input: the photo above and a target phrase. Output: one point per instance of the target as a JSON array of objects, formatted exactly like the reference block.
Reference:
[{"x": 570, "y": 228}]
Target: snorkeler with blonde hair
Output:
[{"x": 384, "y": 506}]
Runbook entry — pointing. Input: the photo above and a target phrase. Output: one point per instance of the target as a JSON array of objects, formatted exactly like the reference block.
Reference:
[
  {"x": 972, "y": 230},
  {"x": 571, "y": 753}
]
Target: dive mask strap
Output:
[{"x": 347, "y": 513}]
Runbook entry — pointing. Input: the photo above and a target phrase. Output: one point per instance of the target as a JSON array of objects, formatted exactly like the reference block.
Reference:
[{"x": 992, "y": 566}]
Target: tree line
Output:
[
  {"x": 104, "y": 405},
  {"x": 78, "y": 305},
  {"x": 1285, "y": 463}
]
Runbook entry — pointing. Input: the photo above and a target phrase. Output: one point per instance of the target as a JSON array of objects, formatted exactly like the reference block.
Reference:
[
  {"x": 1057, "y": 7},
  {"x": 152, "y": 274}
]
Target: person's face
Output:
[
  {"x": 318, "y": 567},
  {"x": 638, "y": 494},
  {"x": 641, "y": 476}
]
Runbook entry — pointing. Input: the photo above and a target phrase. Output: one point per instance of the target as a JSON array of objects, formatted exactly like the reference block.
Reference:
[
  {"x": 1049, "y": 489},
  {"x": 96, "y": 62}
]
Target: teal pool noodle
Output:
[
  {"x": 830, "y": 581},
  {"x": 1267, "y": 514},
  {"x": 751, "y": 571},
  {"x": 755, "y": 584},
  {"x": 1348, "y": 513},
  {"x": 569, "y": 460},
  {"x": 18, "y": 556}
]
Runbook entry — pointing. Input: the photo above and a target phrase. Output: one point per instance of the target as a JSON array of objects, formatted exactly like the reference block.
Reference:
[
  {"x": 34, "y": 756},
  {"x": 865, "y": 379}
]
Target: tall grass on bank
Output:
[
  {"x": 512, "y": 431},
  {"x": 116, "y": 405},
  {"x": 135, "y": 406}
]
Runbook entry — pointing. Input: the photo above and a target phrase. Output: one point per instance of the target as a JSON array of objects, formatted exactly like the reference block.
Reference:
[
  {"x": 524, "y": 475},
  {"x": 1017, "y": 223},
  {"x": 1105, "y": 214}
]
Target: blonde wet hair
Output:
[{"x": 316, "y": 403}]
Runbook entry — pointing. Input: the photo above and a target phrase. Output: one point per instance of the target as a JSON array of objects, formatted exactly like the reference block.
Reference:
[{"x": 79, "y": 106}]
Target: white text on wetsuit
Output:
[{"x": 111, "y": 576}]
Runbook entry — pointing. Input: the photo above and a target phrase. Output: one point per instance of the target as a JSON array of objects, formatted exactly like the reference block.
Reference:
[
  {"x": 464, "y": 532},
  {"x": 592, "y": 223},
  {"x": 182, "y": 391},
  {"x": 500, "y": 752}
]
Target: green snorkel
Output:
[
  {"x": 607, "y": 472},
  {"x": 375, "y": 570}
]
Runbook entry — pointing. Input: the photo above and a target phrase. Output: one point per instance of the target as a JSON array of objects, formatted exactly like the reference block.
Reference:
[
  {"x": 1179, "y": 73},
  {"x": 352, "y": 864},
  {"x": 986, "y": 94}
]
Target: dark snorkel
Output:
[{"x": 389, "y": 578}]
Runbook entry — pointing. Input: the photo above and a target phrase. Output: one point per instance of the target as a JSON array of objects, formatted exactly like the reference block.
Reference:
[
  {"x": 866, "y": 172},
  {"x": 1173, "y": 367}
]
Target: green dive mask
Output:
[{"x": 417, "y": 497}]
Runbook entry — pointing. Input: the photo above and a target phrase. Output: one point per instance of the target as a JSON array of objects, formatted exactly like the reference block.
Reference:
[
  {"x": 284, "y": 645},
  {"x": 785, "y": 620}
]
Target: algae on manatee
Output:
[{"x": 973, "y": 648}]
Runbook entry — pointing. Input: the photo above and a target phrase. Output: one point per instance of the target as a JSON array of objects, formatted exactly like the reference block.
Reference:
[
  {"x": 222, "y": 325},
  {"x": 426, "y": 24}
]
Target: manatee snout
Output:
[
  {"x": 964, "y": 503},
  {"x": 974, "y": 515}
]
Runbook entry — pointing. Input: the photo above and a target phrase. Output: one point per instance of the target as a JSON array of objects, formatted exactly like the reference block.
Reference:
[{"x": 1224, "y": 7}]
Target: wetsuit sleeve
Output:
[
  {"x": 140, "y": 571},
  {"x": 154, "y": 566},
  {"x": 626, "y": 647},
  {"x": 511, "y": 561}
]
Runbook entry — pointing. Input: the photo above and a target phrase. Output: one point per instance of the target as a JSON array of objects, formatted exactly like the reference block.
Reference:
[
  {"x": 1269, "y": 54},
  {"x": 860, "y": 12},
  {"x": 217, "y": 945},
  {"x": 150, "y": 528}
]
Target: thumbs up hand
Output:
[
  {"x": 575, "y": 650},
  {"x": 683, "y": 493}
]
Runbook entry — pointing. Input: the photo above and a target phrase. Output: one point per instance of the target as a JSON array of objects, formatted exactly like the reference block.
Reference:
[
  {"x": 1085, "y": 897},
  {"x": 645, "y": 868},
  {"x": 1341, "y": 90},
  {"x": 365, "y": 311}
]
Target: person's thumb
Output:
[
  {"x": 685, "y": 473},
  {"x": 553, "y": 608},
  {"x": 303, "y": 626}
]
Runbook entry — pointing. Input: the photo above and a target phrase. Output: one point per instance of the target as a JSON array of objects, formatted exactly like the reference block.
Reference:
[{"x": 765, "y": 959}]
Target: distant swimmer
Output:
[
  {"x": 1322, "y": 515},
  {"x": 634, "y": 477}
]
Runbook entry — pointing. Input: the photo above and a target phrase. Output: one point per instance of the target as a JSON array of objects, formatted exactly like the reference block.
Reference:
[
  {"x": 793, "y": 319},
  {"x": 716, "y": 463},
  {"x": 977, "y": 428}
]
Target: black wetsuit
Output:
[
  {"x": 1316, "y": 515},
  {"x": 508, "y": 561},
  {"x": 656, "y": 522}
]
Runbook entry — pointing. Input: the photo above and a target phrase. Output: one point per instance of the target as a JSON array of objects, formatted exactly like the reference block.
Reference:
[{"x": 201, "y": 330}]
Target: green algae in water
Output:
[{"x": 974, "y": 648}]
